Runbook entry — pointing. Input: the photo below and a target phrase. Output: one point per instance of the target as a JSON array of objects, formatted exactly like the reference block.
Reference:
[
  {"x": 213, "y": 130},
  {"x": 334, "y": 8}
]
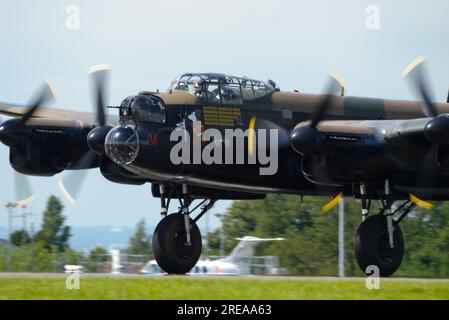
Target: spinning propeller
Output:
[
  {"x": 10, "y": 131},
  {"x": 24, "y": 193},
  {"x": 45, "y": 94},
  {"x": 335, "y": 83},
  {"x": 436, "y": 130},
  {"x": 417, "y": 74},
  {"x": 303, "y": 138},
  {"x": 261, "y": 123},
  {"x": 72, "y": 183}
]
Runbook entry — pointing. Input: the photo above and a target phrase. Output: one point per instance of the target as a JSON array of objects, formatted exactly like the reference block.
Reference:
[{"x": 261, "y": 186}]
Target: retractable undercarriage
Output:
[
  {"x": 379, "y": 240},
  {"x": 177, "y": 241}
]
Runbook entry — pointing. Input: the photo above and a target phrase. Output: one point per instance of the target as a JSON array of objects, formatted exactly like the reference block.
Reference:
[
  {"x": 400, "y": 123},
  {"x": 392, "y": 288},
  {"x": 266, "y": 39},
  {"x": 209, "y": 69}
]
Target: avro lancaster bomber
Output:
[{"x": 213, "y": 136}]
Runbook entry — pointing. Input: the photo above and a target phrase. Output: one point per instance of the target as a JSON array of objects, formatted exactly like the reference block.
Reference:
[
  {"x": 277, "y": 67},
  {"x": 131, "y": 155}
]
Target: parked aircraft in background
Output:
[{"x": 237, "y": 263}]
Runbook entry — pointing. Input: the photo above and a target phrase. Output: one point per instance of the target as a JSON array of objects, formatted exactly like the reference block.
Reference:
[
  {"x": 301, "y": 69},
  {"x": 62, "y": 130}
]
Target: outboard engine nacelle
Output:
[{"x": 44, "y": 147}]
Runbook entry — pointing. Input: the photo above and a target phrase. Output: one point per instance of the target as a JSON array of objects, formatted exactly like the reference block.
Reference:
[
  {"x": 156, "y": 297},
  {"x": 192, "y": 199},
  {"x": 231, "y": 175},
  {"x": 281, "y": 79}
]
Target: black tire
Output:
[
  {"x": 169, "y": 249},
  {"x": 372, "y": 245}
]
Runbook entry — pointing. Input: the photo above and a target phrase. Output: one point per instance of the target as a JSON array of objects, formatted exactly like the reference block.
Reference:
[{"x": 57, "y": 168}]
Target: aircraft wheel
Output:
[
  {"x": 372, "y": 245},
  {"x": 170, "y": 250}
]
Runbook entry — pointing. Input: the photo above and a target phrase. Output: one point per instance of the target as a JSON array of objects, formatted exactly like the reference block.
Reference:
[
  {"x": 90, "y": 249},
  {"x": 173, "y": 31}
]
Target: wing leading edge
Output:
[{"x": 87, "y": 118}]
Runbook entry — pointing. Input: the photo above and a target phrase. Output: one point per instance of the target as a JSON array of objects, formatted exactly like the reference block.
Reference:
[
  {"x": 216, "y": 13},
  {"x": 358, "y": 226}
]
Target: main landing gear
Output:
[
  {"x": 379, "y": 241},
  {"x": 177, "y": 239}
]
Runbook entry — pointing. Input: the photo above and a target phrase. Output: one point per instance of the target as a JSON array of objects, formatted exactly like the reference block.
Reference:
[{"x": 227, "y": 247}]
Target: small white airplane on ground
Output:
[
  {"x": 237, "y": 263},
  {"x": 70, "y": 268}
]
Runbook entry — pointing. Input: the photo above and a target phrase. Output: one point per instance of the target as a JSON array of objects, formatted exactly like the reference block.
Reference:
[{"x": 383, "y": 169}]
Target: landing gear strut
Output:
[
  {"x": 379, "y": 240},
  {"x": 177, "y": 239}
]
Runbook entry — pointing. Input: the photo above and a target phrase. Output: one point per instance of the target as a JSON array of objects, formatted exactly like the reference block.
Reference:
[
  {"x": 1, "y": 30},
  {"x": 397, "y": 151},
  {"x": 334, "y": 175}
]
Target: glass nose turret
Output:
[{"x": 122, "y": 144}]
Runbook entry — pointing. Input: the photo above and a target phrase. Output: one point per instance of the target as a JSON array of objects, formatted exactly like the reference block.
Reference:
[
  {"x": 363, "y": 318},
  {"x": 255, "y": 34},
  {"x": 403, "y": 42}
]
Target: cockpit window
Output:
[
  {"x": 148, "y": 109},
  {"x": 182, "y": 86},
  {"x": 213, "y": 93},
  {"x": 220, "y": 88},
  {"x": 231, "y": 93}
]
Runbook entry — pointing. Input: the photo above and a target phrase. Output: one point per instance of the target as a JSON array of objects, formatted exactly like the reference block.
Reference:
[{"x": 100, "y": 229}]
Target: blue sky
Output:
[{"x": 148, "y": 43}]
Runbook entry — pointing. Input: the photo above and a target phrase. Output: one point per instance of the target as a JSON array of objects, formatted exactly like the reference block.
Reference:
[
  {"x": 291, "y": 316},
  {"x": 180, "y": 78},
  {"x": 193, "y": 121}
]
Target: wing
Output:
[{"x": 87, "y": 118}]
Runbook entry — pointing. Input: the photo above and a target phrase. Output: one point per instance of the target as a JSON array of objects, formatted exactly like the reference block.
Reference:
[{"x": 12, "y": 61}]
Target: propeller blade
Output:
[
  {"x": 417, "y": 73},
  {"x": 283, "y": 134},
  {"x": 331, "y": 204},
  {"x": 261, "y": 123},
  {"x": 24, "y": 193},
  {"x": 333, "y": 84},
  {"x": 251, "y": 136},
  {"x": 46, "y": 93},
  {"x": 71, "y": 185},
  {"x": 99, "y": 76},
  {"x": 419, "y": 202},
  {"x": 341, "y": 82}
]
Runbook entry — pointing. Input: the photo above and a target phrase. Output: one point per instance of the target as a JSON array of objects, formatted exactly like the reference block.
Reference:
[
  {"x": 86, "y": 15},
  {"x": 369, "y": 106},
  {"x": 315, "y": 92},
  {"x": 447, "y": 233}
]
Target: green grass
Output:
[{"x": 217, "y": 288}]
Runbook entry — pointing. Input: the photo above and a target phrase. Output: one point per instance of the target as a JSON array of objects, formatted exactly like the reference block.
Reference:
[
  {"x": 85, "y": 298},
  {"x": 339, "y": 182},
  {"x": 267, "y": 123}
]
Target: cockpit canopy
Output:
[
  {"x": 221, "y": 88},
  {"x": 146, "y": 108}
]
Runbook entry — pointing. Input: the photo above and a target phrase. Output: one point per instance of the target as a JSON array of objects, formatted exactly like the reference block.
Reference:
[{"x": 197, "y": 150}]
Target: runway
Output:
[{"x": 208, "y": 277}]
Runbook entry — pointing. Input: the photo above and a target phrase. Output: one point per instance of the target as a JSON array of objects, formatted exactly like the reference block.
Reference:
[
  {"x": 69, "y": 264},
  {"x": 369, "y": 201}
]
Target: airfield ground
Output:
[{"x": 49, "y": 286}]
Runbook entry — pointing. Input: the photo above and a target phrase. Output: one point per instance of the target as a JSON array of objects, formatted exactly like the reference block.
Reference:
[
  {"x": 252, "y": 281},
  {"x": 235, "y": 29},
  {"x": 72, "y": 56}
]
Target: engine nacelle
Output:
[
  {"x": 44, "y": 147},
  {"x": 32, "y": 163}
]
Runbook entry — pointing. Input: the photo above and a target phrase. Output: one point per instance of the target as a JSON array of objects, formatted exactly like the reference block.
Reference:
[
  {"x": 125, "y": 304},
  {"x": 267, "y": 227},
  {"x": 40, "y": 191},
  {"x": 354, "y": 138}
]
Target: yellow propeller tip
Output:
[
  {"x": 52, "y": 88},
  {"x": 66, "y": 193},
  {"x": 331, "y": 204},
  {"x": 413, "y": 65},
  {"x": 25, "y": 202},
  {"x": 339, "y": 79},
  {"x": 419, "y": 202},
  {"x": 99, "y": 67},
  {"x": 251, "y": 138}
]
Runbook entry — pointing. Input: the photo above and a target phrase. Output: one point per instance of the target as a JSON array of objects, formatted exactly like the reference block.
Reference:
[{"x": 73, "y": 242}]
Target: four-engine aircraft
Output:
[{"x": 213, "y": 136}]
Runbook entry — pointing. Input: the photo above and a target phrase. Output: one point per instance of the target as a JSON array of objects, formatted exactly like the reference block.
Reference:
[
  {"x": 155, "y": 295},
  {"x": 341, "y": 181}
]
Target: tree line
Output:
[{"x": 49, "y": 250}]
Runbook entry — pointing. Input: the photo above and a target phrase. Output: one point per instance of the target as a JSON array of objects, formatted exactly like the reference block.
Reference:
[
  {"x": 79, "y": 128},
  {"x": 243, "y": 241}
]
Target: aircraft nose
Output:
[{"x": 122, "y": 144}]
